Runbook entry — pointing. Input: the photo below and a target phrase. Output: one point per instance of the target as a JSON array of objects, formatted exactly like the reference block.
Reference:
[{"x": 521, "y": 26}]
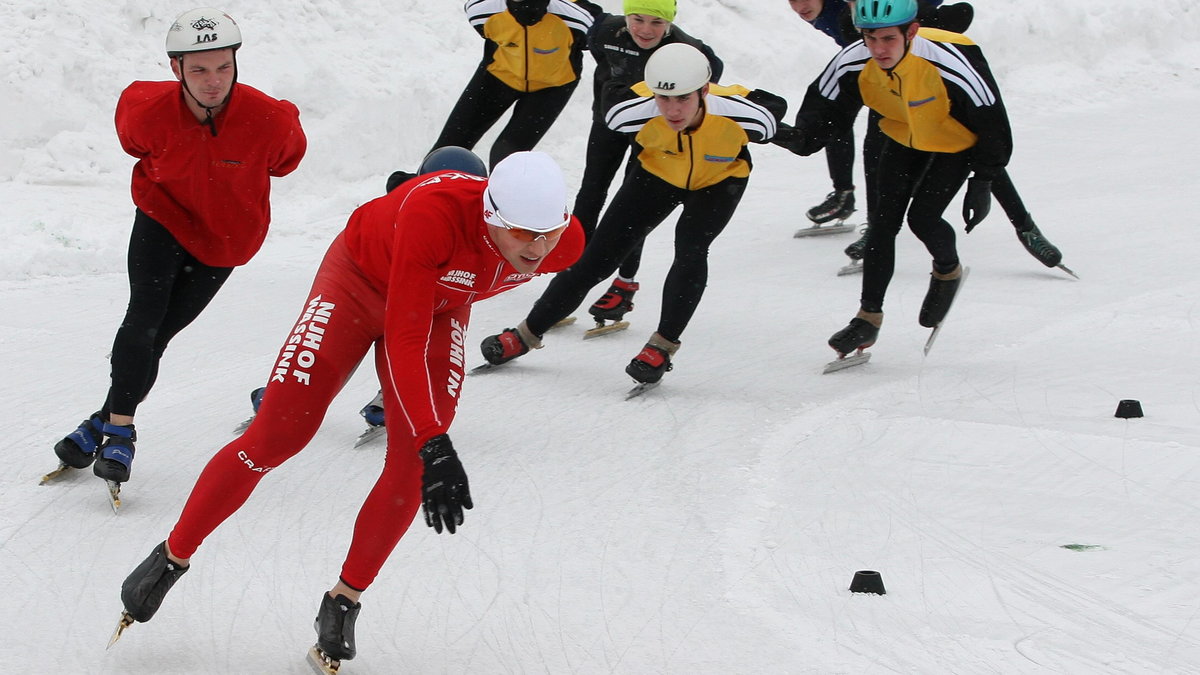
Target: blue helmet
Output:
[
  {"x": 870, "y": 14},
  {"x": 453, "y": 158}
]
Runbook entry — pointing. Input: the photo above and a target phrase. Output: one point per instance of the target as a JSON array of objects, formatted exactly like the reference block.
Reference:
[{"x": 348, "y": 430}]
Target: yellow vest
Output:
[
  {"x": 913, "y": 101},
  {"x": 530, "y": 58},
  {"x": 695, "y": 158}
]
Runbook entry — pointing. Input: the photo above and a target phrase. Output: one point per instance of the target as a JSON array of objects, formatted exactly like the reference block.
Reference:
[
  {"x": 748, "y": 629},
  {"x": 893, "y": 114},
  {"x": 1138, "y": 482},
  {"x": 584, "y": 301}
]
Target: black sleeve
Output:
[
  {"x": 821, "y": 119},
  {"x": 989, "y": 123}
]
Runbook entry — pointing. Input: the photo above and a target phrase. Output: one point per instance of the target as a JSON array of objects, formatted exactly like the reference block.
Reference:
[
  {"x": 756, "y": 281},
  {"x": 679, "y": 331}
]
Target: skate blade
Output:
[
  {"x": 822, "y": 230},
  {"x": 563, "y": 323},
  {"x": 62, "y": 468},
  {"x": 485, "y": 368},
  {"x": 114, "y": 495},
  {"x": 242, "y": 427},
  {"x": 604, "y": 329},
  {"x": 321, "y": 662},
  {"x": 1067, "y": 270},
  {"x": 641, "y": 389},
  {"x": 854, "y": 267},
  {"x": 126, "y": 622},
  {"x": 369, "y": 435},
  {"x": 845, "y": 362}
]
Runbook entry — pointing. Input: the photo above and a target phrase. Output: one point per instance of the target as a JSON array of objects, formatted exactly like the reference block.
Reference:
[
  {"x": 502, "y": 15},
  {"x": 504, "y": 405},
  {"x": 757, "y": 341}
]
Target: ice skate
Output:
[
  {"x": 856, "y": 252},
  {"x": 616, "y": 302},
  {"x": 958, "y": 286},
  {"x": 939, "y": 297},
  {"x": 143, "y": 591},
  {"x": 1040, "y": 248},
  {"x": 838, "y": 206},
  {"x": 372, "y": 414},
  {"x": 508, "y": 345},
  {"x": 115, "y": 457},
  {"x": 256, "y": 398},
  {"x": 78, "y": 449},
  {"x": 653, "y": 361},
  {"x": 335, "y": 633},
  {"x": 860, "y": 334}
]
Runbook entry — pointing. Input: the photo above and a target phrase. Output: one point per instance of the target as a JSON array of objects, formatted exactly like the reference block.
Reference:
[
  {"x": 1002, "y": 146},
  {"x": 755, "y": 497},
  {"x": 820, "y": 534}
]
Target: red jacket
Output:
[
  {"x": 426, "y": 243},
  {"x": 212, "y": 193}
]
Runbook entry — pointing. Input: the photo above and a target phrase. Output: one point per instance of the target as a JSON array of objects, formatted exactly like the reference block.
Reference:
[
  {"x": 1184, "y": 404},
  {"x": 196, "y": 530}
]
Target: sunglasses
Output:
[{"x": 524, "y": 234}]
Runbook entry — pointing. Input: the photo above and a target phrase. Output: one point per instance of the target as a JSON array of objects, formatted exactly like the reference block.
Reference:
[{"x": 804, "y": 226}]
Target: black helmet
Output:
[{"x": 453, "y": 158}]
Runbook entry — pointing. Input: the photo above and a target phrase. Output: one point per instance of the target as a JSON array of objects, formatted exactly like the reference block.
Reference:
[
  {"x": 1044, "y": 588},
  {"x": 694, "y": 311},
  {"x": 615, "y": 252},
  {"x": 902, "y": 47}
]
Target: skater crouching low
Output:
[
  {"x": 693, "y": 140},
  {"x": 401, "y": 277}
]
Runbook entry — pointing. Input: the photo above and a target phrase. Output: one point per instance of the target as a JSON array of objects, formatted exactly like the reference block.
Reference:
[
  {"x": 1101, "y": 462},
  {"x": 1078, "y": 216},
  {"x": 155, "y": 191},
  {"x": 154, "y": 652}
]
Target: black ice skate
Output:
[
  {"x": 508, "y": 345},
  {"x": 856, "y": 252},
  {"x": 143, "y": 591},
  {"x": 115, "y": 457},
  {"x": 335, "y": 633},
  {"x": 616, "y": 302},
  {"x": 78, "y": 449},
  {"x": 939, "y": 297},
  {"x": 653, "y": 361},
  {"x": 838, "y": 206},
  {"x": 1040, "y": 248},
  {"x": 860, "y": 334}
]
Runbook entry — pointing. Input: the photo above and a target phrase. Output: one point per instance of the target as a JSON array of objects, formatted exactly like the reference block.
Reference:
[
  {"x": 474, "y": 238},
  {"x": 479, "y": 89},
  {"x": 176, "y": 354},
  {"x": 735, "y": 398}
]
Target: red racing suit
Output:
[
  {"x": 402, "y": 276},
  {"x": 210, "y": 187}
]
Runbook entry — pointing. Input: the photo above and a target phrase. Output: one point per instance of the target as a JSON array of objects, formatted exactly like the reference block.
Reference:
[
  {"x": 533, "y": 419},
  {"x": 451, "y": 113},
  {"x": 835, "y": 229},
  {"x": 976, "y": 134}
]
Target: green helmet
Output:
[
  {"x": 869, "y": 14},
  {"x": 663, "y": 9}
]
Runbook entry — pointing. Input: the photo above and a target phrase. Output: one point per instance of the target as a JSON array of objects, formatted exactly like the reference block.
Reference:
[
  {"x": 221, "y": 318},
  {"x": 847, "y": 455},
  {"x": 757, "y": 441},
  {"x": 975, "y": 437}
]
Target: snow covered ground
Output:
[{"x": 711, "y": 526}]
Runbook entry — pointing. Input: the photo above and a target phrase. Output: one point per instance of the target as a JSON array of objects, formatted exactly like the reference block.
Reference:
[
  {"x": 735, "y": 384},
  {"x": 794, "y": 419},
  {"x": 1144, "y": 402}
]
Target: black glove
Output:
[
  {"x": 978, "y": 201},
  {"x": 775, "y": 103},
  {"x": 444, "y": 490},
  {"x": 527, "y": 12}
]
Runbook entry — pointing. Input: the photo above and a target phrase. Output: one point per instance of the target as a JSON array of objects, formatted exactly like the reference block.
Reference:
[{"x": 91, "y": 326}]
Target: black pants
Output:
[
  {"x": 606, "y": 152},
  {"x": 168, "y": 288},
  {"x": 486, "y": 99},
  {"x": 839, "y": 156},
  {"x": 643, "y": 202},
  {"x": 921, "y": 185}
]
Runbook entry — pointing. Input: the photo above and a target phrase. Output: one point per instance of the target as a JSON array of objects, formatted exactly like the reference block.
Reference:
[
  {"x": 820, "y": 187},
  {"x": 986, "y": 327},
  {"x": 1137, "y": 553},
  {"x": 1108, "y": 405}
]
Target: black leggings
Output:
[
  {"x": 643, "y": 202},
  {"x": 839, "y": 156},
  {"x": 921, "y": 184},
  {"x": 606, "y": 150},
  {"x": 168, "y": 288},
  {"x": 483, "y": 102}
]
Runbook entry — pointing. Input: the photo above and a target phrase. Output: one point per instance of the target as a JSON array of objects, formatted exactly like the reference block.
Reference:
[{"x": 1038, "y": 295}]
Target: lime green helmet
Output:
[
  {"x": 663, "y": 9},
  {"x": 869, "y": 14}
]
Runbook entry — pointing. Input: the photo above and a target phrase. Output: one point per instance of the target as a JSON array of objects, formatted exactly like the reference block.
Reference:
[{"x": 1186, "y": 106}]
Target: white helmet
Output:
[
  {"x": 527, "y": 191},
  {"x": 201, "y": 30},
  {"x": 677, "y": 69}
]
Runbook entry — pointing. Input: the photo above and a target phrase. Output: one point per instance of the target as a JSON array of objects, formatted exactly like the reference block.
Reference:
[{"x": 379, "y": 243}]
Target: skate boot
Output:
[
  {"x": 145, "y": 587},
  {"x": 335, "y": 627},
  {"x": 939, "y": 297},
  {"x": 860, "y": 334},
  {"x": 373, "y": 411},
  {"x": 616, "y": 302},
  {"x": 653, "y": 361},
  {"x": 838, "y": 205},
  {"x": 509, "y": 344},
  {"x": 256, "y": 398},
  {"x": 858, "y": 250},
  {"x": 78, "y": 449},
  {"x": 1035, "y": 242},
  {"x": 116, "y": 455}
]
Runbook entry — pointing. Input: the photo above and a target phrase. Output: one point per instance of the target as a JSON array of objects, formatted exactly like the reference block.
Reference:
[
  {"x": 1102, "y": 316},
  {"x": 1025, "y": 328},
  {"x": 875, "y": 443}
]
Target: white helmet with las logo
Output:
[
  {"x": 677, "y": 69},
  {"x": 202, "y": 29}
]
